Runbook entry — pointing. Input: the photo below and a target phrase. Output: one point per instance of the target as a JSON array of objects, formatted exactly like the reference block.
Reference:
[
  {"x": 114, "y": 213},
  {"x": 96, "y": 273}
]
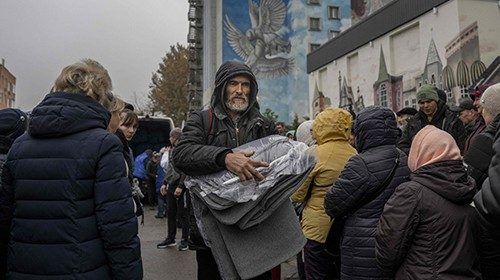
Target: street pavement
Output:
[{"x": 171, "y": 264}]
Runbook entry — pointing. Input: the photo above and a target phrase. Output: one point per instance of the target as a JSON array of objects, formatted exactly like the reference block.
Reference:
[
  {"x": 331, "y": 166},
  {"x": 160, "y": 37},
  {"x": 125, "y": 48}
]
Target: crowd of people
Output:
[{"x": 412, "y": 194}]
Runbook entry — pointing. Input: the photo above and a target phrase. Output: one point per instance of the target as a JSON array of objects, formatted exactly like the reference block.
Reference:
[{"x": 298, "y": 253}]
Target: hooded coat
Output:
[
  {"x": 376, "y": 134},
  {"x": 478, "y": 157},
  {"x": 331, "y": 129},
  {"x": 443, "y": 119},
  {"x": 428, "y": 230},
  {"x": 67, "y": 209},
  {"x": 210, "y": 134}
]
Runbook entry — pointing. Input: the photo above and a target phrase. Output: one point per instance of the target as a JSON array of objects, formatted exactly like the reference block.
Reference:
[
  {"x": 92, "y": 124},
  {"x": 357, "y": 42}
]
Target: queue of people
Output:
[{"x": 392, "y": 195}]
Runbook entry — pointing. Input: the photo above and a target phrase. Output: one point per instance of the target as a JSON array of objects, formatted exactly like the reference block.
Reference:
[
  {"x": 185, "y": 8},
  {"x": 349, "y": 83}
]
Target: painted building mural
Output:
[
  {"x": 450, "y": 48},
  {"x": 361, "y": 9},
  {"x": 273, "y": 37}
]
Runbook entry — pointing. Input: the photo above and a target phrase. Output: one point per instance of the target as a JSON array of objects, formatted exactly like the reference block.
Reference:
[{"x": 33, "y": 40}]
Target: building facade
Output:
[
  {"x": 273, "y": 37},
  {"x": 7, "y": 87},
  {"x": 405, "y": 43}
]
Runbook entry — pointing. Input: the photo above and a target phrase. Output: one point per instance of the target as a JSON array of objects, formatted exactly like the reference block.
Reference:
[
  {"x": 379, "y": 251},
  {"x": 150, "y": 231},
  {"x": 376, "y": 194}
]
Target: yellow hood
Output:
[{"x": 332, "y": 124}]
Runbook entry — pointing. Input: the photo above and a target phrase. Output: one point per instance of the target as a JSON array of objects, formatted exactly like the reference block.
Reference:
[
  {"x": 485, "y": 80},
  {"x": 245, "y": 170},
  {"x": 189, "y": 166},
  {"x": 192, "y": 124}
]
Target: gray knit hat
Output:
[
  {"x": 490, "y": 100},
  {"x": 428, "y": 92}
]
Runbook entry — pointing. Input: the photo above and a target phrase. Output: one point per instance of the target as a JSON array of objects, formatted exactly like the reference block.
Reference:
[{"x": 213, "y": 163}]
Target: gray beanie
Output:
[
  {"x": 428, "y": 92},
  {"x": 490, "y": 100}
]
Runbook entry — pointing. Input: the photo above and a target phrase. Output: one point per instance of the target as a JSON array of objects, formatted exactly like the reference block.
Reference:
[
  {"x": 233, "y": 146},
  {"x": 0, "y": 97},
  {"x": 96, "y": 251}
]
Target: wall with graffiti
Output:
[
  {"x": 273, "y": 37},
  {"x": 449, "y": 47}
]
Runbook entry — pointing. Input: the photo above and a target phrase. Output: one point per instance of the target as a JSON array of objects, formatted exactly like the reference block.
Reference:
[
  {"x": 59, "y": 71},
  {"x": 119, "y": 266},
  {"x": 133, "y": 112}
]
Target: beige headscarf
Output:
[{"x": 432, "y": 145}]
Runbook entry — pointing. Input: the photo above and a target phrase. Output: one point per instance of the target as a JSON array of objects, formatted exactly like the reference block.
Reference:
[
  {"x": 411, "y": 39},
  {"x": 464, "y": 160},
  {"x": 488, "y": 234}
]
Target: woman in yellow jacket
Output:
[{"x": 331, "y": 130}]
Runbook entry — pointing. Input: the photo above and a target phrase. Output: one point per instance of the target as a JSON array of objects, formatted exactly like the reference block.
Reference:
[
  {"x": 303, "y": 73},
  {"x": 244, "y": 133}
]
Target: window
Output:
[
  {"x": 314, "y": 24},
  {"x": 314, "y": 2},
  {"x": 383, "y": 96},
  {"x": 464, "y": 92},
  {"x": 333, "y": 12},
  {"x": 313, "y": 47},
  {"x": 333, "y": 33}
]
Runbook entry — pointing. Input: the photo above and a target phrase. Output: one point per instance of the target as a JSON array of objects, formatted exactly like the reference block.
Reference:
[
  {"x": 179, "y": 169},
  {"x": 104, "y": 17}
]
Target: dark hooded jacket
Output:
[
  {"x": 428, "y": 230},
  {"x": 376, "y": 134},
  {"x": 210, "y": 134},
  {"x": 66, "y": 204},
  {"x": 444, "y": 119},
  {"x": 478, "y": 157}
]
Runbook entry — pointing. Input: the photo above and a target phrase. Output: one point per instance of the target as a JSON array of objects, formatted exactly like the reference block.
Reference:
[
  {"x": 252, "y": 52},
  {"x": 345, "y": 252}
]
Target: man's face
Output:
[
  {"x": 403, "y": 119},
  {"x": 477, "y": 104},
  {"x": 428, "y": 106},
  {"x": 174, "y": 141},
  {"x": 467, "y": 116},
  {"x": 238, "y": 93},
  {"x": 280, "y": 128}
]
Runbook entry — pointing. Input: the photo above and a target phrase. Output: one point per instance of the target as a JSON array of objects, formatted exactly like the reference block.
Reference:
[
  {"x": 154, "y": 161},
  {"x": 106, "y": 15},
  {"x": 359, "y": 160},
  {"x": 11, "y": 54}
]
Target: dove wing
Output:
[
  {"x": 237, "y": 40},
  {"x": 254, "y": 13},
  {"x": 272, "y": 15},
  {"x": 270, "y": 68}
]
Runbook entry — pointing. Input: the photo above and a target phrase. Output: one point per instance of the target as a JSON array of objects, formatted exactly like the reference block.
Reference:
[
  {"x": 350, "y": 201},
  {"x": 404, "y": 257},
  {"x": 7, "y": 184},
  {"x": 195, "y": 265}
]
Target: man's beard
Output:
[{"x": 237, "y": 104}]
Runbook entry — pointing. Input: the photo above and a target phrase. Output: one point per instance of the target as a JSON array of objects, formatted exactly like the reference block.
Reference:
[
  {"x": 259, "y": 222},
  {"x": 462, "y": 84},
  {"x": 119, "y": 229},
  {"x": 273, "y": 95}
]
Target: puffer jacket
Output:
[
  {"x": 478, "y": 157},
  {"x": 444, "y": 119},
  {"x": 376, "y": 135},
  {"x": 331, "y": 129},
  {"x": 428, "y": 230},
  {"x": 210, "y": 134},
  {"x": 67, "y": 209}
]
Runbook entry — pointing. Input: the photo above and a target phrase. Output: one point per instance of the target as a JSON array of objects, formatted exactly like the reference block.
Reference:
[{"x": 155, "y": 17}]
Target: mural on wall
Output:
[
  {"x": 260, "y": 46},
  {"x": 347, "y": 100},
  {"x": 388, "y": 89},
  {"x": 462, "y": 70},
  {"x": 274, "y": 38}
]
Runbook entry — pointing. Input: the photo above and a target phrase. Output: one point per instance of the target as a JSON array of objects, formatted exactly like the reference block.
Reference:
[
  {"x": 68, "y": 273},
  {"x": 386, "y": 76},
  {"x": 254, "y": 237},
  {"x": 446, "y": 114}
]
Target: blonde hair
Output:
[
  {"x": 87, "y": 77},
  {"x": 117, "y": 104}
]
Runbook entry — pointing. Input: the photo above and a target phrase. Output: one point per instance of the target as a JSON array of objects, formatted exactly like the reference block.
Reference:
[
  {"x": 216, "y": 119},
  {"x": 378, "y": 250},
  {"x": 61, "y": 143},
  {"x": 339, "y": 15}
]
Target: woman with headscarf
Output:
[
  {"x": 65, "y": 196},
  {"x": 428, "y": 229}
]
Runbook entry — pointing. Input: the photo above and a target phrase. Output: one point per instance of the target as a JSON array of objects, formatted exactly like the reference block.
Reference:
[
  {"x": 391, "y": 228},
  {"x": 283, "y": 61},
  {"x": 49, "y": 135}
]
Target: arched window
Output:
[{"x": 382, "y": 98}]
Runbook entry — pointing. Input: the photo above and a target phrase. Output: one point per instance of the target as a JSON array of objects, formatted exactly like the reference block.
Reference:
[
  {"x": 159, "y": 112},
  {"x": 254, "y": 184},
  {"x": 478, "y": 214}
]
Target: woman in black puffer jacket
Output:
[
  {"x": 376, "y": 134},
  {"x": 65, "y": 191}
]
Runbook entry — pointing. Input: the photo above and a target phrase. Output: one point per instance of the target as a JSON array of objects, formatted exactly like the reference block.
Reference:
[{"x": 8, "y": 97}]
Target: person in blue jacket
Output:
[{"x": 66, "y": 205}]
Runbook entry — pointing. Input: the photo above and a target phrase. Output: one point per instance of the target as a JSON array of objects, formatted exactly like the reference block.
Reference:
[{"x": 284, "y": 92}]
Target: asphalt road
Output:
[{"x": 171, "y": 264}]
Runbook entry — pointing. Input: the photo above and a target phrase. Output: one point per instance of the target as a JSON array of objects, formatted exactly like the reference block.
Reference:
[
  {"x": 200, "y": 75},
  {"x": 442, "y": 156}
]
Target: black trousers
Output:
[
  {"x": 152, "y": 198},
  {"x": 177, "y": 210},
  {"x": 207, "y": 267}
]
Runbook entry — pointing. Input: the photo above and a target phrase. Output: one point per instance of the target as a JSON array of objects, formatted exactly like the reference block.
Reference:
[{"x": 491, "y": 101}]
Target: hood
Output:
[
  {"x": 226, "y": 71},
  {"x": 63, "y": 113},
  {"x": 431, "y": 145},
  {"x": 333, "y": 124},
  {"x": 375, "y": 126},
  {"x": 449, "y": 179}
]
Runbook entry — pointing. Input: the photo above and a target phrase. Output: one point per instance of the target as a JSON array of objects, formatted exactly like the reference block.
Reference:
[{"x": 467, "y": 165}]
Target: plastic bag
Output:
[{"x": 285, "y": 157}]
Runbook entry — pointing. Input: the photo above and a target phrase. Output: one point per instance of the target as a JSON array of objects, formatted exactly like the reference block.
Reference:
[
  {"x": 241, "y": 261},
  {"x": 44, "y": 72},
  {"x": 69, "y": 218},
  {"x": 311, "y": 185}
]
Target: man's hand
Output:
[
  {"x": 177, "y": 192},
  {"x": 163, "y": 190},
  {"x": 240, "y": 164}
]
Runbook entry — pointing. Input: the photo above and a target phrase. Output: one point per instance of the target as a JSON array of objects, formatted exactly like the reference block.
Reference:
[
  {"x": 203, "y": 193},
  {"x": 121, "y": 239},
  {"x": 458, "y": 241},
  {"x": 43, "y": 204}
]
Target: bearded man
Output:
[{"x": 209, "y": 136}]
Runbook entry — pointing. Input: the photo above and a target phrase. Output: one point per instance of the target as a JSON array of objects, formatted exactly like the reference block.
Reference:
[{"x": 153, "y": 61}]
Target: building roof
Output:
[{"x": 388, "y": 18}]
